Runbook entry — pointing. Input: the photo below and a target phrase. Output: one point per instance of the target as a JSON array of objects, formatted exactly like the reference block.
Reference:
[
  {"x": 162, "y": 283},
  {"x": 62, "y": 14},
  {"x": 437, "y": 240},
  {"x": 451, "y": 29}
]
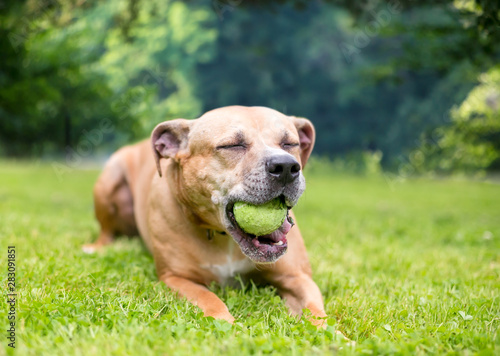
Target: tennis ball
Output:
[{"x": 260, "y": 219}]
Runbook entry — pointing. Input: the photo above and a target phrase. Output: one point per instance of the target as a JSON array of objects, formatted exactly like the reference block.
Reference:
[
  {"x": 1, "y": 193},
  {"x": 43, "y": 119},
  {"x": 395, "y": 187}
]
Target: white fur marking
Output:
[
  {"x": 227, "y": 271},
  {"x": 216, "y": 197}
]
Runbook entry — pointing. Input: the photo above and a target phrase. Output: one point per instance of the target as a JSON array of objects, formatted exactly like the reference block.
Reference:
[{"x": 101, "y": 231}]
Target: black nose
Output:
[{"x": 284, "y": 169}]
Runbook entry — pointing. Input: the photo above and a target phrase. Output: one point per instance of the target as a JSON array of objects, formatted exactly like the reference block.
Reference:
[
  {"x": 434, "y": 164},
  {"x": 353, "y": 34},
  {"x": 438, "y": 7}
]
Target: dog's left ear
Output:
[
  {"x": 307, "y": 136},
  {"x": 168, "y": 138}
]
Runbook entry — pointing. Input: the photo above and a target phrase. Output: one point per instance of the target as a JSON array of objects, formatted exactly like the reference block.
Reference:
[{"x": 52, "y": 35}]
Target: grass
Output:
[{"x": 407, "y": 269}]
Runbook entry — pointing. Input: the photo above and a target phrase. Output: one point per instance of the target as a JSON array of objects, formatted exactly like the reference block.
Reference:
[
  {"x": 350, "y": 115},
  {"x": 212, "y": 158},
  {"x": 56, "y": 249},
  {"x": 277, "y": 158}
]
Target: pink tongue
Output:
[
  {"x": 276, "y": 236},
  {"x": 280, "y": 233}
]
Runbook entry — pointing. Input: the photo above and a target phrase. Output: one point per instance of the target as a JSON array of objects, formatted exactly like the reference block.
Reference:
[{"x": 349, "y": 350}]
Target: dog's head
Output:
[{"x": 232, "y": 154}]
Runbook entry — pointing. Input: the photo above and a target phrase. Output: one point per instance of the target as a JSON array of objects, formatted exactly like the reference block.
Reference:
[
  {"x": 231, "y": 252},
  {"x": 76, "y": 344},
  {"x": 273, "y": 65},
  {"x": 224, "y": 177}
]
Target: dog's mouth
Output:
[{"x": 264, "y": 249}]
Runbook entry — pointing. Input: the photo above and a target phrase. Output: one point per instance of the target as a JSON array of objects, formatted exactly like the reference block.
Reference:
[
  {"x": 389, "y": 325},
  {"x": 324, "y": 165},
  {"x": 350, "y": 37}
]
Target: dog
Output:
[{"x": 177, "y": 192}]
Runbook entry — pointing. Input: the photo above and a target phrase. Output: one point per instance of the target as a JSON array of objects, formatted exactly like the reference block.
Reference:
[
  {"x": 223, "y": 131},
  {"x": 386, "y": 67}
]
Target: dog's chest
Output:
[
  {"x": 226, "y": 272},
  {"x": 231, "y": 265}
]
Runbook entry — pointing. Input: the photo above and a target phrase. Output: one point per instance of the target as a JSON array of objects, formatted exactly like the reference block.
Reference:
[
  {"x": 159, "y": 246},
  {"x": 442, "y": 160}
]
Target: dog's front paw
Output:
[
  {"x": 220, "y": 315},
  {"x": 319, "y": 322}
]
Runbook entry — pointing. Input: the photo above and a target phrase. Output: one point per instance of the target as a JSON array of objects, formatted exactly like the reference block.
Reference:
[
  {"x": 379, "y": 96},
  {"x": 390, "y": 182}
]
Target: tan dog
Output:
[{"x": 177, "y": 191}]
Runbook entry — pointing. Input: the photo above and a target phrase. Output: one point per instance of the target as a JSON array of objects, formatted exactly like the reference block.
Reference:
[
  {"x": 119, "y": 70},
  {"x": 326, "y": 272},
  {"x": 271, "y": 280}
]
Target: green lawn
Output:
[{"x": 412, "y": 268}]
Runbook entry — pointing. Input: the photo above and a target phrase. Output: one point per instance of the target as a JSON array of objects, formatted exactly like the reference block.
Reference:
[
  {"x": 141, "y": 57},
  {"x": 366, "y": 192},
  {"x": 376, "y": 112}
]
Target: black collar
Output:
[{"x": 211, "y": 233}]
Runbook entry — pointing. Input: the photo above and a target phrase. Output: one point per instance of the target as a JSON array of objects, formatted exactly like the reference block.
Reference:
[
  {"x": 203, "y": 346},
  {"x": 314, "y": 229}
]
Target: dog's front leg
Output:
[
  {"x": 300, "y": 292},
  {"x": 199, "y": 295}
]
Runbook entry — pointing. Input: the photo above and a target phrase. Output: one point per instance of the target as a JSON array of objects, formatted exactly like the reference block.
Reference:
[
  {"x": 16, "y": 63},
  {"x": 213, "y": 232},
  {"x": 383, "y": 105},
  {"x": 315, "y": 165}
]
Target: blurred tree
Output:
[
  {"x": 372, "y": 75},
  {"x": 472, "y": 142},
  {"x": 418, "y": 58},
  {"x": 68, "y": 67},
  {"x": 50, "y": 90},
  {"x": 481, "y": 16},
  {"x": 152, "y": 70},
  {"x": 361, "y": 100}
]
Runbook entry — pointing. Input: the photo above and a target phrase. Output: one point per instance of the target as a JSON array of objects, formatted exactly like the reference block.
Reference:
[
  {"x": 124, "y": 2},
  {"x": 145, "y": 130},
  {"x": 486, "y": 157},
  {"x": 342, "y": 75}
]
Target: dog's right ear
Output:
[{"x": 168, "y": 138}]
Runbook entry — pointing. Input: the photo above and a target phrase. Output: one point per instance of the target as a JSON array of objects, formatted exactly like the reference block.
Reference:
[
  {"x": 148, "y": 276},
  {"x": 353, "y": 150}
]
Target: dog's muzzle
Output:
[{"x": 281, "y": 178}]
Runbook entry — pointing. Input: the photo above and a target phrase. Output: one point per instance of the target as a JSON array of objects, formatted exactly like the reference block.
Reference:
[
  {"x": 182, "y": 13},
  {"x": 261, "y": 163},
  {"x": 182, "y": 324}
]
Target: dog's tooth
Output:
[{"x": 279, "y": 243}]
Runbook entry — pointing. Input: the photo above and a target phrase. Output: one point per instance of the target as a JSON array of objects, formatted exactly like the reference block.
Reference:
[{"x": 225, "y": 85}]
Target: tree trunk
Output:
[{"x": 67, "y": 129}]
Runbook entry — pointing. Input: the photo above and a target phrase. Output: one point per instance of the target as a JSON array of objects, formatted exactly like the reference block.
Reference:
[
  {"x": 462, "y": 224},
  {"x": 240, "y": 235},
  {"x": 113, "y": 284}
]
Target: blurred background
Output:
[{"x": 405, "y": 86}]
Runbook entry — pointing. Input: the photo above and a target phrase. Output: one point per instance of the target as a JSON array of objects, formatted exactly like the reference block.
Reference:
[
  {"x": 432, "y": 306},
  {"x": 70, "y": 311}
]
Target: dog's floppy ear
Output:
[
  {"x": 307, "y": 136},
  {"x": 168, "y": 138}
]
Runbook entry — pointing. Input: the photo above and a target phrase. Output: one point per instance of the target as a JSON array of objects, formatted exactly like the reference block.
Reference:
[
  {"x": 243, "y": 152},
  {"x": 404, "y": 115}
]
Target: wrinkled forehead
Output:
[{"x": 246, "y": 122}]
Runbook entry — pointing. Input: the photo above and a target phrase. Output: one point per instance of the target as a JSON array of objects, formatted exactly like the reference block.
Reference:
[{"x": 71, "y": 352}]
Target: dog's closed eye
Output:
[
  {"x": 287, "y": 142},
  {"x": 237, "y": 142},
  {"x": 287, "y": 145},
  {"x": 232, "y": 146}
]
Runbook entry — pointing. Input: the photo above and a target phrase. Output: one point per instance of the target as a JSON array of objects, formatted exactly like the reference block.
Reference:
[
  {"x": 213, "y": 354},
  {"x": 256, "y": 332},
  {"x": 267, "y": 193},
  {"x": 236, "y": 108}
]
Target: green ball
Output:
[{"x": 262, "y": 219}]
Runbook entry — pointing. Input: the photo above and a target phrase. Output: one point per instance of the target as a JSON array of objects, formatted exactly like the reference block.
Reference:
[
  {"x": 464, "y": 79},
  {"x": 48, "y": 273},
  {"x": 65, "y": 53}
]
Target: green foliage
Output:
[
  {"x": 77, "y": 66},
  {"x": 471, "y": 142},
  {"x": 152, "y": 72},
  {"x": 408, "y": 271},
  {"x": 52, "y": 83},
  {"x": 371, "y": 75}
]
